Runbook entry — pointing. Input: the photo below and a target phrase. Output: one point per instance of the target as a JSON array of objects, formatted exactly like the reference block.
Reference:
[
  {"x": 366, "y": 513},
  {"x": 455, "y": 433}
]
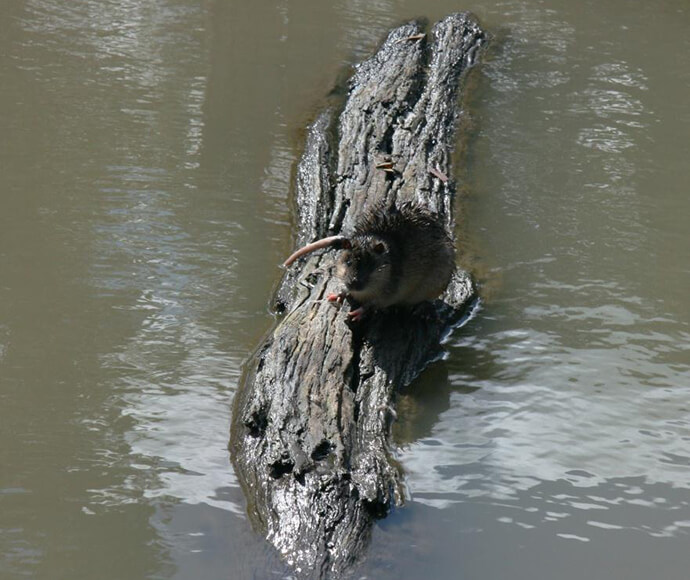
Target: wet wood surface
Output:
[{"x": 311, "y": 424}]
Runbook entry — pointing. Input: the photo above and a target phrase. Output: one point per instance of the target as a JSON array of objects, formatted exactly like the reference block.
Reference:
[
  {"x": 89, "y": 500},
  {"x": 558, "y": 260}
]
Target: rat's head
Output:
[{"x": 365, "y": 268}]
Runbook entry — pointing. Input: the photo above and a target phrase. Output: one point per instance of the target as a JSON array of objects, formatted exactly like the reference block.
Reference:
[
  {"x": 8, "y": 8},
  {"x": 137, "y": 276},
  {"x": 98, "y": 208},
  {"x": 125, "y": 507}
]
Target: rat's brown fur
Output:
[{"x": 401, "y": 256}]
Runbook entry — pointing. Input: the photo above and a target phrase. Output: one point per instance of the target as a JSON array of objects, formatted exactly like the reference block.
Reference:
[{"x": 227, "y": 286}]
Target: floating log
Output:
[{"x": 312, "y": 418}]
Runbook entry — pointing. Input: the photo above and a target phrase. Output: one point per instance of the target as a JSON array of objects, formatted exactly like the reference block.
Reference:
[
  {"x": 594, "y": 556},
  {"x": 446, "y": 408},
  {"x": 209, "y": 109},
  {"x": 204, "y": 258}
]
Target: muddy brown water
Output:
[{"x": 146, "y": 153}]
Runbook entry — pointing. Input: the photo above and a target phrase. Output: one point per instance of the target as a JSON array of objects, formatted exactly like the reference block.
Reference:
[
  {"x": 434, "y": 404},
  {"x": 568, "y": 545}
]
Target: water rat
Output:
[{"x": 401, "y": 256}]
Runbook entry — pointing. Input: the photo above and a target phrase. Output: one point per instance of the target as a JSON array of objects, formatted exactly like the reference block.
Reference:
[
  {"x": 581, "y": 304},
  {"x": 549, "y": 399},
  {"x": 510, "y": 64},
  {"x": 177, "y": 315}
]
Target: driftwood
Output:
[{"x": 312, "y": 418}]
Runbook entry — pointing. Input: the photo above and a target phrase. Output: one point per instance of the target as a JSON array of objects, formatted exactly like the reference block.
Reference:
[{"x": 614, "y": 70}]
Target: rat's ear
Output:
[
  {"x": 379, "y": 248},
  {"x": 346, "y": 245}
]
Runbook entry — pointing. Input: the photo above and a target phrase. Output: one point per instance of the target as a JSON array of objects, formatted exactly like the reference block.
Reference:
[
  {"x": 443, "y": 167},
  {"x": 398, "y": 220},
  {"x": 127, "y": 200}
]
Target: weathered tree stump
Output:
[{"x": 312, "y": 418}]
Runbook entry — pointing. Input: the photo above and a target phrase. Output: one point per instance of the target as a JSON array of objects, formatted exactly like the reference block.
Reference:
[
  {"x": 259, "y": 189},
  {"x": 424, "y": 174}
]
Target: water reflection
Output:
[
  {"x": 566, "y": 393},
  {"x": 549, "y": 403},
  {"x": 173, "y": 376},
  {"x": 136, "y": 409},
  {"x": 147, "y": 158}
]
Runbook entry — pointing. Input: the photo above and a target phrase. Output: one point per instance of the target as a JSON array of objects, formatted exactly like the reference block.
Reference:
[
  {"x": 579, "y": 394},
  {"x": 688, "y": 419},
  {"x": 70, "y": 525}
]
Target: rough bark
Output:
[{"x": 310, "y": 436}]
